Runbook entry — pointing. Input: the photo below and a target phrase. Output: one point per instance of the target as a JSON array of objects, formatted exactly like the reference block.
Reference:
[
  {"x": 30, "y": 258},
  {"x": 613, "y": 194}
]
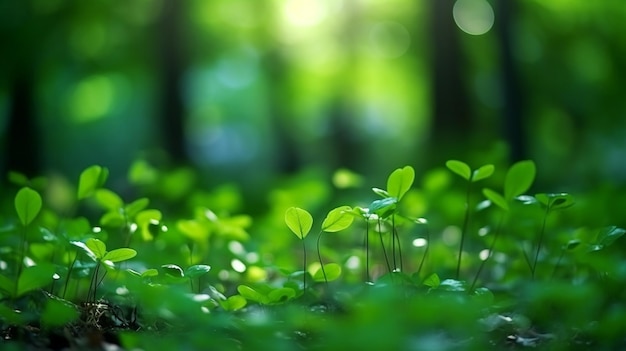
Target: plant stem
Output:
[
  {"x": 464, "y": 229},
  {"x": 393, "y": 241},
  {"x": 491, "y": 247},
  {"x": 69, "y": 273},
  {"x": 20, "y": 259},
  {"x": 367, "y": 250},
  {"x": 380, "y": 233},
  {"x": 304, "y": 267},
  {"x": 419, "y": 269},
  {"x": 543, "y": 228},
  {"x": 319, "y": 256}
]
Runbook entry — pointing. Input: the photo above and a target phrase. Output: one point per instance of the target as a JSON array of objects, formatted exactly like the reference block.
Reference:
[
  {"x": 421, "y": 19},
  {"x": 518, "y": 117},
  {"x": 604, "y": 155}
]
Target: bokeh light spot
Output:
[
  {"x": 305, "y": 13},
  {"x": 389, "y": 39},
  {"x": 474, "y": 17},
  {"x": 92, "y": 98}
]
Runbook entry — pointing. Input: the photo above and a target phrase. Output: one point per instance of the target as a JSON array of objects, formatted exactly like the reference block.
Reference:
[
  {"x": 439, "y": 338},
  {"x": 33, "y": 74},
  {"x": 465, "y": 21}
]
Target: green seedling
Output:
[
  {"x": 465, "y": 172},
  {"x": 517, "y": 181},
  {"x": 190, "y": 273},
  {"x": 96, "y": 250},
  {"x": 337, "y": 220},
  {"x": 550, "y": 202},
  {"x": 300, "y": 222}
]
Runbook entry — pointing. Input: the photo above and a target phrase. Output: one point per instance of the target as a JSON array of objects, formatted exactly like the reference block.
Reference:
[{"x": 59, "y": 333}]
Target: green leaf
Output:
[
  {"x": 432, "y": 280},
  {"x": 280, "y": 295},
  {"x": 91, "y": 179},
  {"x": 173, "y": 270},
  {"x": 380, "y": 192},
  {"x": 557, "y": 201},
  {"x": 483, "y": 172},
  {"x": 460, "y": 168},
  {"x": 400, "y": 181},
  {"x": 34, "y": 277},
  {"x": 608, "y": 235},
  {"x": 58, "y": 313},
  {"x": 383, "y": 208},
  {"x": 27, "y": 205},
  {"x": 97, "y": 247},
  {"x": 108, "y": 199},
  {"x": 496, "y": 198},
  {"x": 333, "y": 271},
  {"x": 233, "y": 303},
  {"x": 81, "y": 245},
  {"x": 197, "y": 270},
  {"x": 7, "y": 285},
  {"x": 146, "y": 218},
  {"x": 452, "y": 285},
  {"x": 519, "y": 178},
  {"x": 11, "y": 316},
  {"x": 151, "y": 272},
  {"x": 250, "y": 294},
  {"x": 134, "y": 207},
  {"x": 338, "y": 219},
  {"x": 112, "y": 219},
  {"x": 299, "y": 221},
  {"x": 119, "y": 255}
]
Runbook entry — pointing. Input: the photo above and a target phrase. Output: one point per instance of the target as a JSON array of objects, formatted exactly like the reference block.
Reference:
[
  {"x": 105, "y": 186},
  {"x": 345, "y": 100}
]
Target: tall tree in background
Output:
[
  {"x": 513, "y": 126},
  {"x": 18, "y": 66},
  {"x": 451, "y": 113},
  {"x": 171, "y": 64}
]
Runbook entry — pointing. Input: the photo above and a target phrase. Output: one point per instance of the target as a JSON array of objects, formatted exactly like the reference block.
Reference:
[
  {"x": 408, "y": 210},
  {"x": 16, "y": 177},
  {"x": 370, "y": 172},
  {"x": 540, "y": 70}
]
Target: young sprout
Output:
[
  {"x": 300, "y": 222},
  {"x": 463, "y": 170}
]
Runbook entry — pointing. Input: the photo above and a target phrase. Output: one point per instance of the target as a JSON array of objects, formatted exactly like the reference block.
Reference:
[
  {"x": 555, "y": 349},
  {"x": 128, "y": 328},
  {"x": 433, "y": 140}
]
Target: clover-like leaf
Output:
[
  {"x": 460, "y": 168},
  {"x": 400, "y": 181},
  {"x": 519, "y": 178},
  {"x": 496, "y": 198},
  {"x": 108, "y": 199},
  {"x": 97, "y": 247},
  {"x": 338, "y": 219},
  {"x": 27, "y": 205},
  {"x": 483, "y": 172},
  {"x": 251, "y": 294},
  {"x": 332, "y": 270},
  {"x": 432, "y": 280},
  {"x": 556, "y": 201},
  {"x": 173, "y": 270},
  {"x": 119, "y": 255},
  {"x": 280, "y": 295},
  {"x": 197, "y": 270},
  {"x": 233, "y": 303},
  {"x": 91, "y": 179},
  {"x": 299, "y": 221},
  {"x": 383, "y": 208},
  {"x": 81, "y": 245}
]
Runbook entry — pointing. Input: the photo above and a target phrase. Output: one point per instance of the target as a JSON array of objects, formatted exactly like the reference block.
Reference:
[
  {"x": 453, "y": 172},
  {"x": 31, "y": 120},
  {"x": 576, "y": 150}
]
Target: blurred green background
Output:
[{"x": 249, "y": 90}]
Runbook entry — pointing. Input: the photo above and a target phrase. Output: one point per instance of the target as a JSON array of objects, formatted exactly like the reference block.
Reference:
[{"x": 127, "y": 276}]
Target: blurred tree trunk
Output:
[
  {"x": 18, "y": 65},
  {"x": 171, "y": 59},
  {"x": 513, "y": 126},
  {"x": 22, "y": 149},
  {"x": 451, "y": 114}
]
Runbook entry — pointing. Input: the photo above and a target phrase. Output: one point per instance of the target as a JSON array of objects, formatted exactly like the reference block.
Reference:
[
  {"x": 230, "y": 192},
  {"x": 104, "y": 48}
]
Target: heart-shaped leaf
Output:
[
  {"x": 233, "y": 303},
  {"x": 27, "y": 205},
  {"x": 496, "y": 198},
  {"x": 383, "y": 208},
  {"x": 197, "y": 270},
  {"x": 97, "y": 247},
  {"x": 280, "y": 295},
  {"x": 483, "y": 172},
  {"x": 400, "y": 181},
  {"x": 108, "y": 199},
  {"x": 519, "y": 178},
  {"x": 299, "y": 221},
  {"x": 91, "y": 179},
  {"x": 251, "y": 294},
  {"x": 119, "y": 255},
  {"x": 460, "y": 168},
  {"x": 332, "y": 270},
  {"x": 338, "y": 219},
  {"x": 173, "y": 270},
  {"x": 557, "y": 201}
]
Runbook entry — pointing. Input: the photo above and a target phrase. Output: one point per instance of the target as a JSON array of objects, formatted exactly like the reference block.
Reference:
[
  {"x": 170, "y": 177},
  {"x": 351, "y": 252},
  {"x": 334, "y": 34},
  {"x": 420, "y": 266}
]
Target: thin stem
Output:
[
  {"x": 92, "y": 288},
  {"x": 419, "y": 269},
  {"x": 20, "y": 258},
  {"x": 393, "y": 241},
  {"x": 380, "y": 233},
  {"x": 304, "y": 266},
  {"x": 543, "y": 228},
  {"x": 491, "y": 248},
  {"x": 558, "y": 263},
  {"x": 395, "y": 233},
  {"x": 69, "y": 274},
  {"x": 464, "y": 229},
  {"x": 367, "y": 250},
  {"x": 319, "y": 256}
]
